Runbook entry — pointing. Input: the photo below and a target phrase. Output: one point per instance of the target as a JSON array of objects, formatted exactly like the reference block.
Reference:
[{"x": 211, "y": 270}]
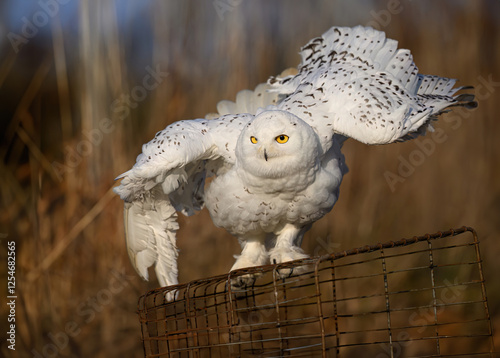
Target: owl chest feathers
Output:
[
  {"x": 244, "y": 204},
  {"x": 280, "y": 177}
]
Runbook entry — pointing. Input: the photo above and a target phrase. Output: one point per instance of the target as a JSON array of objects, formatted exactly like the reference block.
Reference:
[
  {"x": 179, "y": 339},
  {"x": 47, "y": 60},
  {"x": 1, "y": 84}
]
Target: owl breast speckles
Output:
[{"x": 265, "y": 192}]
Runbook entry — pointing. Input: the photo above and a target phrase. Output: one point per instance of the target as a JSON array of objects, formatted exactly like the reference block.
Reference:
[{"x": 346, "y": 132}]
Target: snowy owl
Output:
[{"x": 275, "y": 154}]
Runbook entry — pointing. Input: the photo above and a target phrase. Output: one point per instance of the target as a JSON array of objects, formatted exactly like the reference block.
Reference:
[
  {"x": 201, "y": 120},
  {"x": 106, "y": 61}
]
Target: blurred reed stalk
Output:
[{"x": 58, "y": 91}]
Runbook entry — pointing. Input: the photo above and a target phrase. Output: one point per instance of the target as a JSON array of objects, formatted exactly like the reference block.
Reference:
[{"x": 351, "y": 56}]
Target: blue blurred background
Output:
[{"x": 75, "y": 110}]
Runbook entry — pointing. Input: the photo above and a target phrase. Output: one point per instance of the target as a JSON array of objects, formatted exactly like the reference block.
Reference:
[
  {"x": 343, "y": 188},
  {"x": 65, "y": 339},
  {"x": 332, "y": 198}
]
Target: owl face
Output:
[{"x": 276, "y": 144}]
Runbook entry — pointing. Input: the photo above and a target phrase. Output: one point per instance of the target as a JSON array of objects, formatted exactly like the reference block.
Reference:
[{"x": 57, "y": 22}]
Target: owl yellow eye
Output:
[
  {"x": 282, "y": 139},
  {"x": 253, "y": 140}
]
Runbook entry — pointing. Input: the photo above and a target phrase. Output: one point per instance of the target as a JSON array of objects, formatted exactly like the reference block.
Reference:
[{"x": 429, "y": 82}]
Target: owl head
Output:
[{"x": 275, "y": 144}]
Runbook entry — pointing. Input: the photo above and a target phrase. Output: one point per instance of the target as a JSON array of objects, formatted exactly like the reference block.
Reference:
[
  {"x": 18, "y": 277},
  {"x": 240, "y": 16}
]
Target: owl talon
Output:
[
  {"x": 279, "y": 255},
  {"x": 285, "y": 273},
  {"x": 242, "y": 282}
]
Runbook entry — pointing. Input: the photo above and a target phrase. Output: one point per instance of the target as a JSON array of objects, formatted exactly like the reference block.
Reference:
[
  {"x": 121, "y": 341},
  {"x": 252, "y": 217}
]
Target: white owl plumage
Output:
[{"x": 275, "y": 153}]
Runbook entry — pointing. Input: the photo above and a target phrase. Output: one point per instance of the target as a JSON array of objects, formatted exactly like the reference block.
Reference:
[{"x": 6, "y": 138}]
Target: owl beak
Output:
[{"x": 265, "y": 155}]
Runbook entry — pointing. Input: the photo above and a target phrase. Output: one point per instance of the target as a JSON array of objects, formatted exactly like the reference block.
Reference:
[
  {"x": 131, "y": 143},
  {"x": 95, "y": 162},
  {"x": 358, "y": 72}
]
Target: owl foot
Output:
[
  {"x": 248, "y": 258},
  {"x": 242, "y": 282},
  {"x": 284, "y": 254}
]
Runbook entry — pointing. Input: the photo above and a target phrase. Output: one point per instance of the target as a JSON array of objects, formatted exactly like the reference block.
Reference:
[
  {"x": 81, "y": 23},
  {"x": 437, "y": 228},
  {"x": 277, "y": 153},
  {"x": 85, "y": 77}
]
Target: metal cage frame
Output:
[{"x": 420, "y": 297}]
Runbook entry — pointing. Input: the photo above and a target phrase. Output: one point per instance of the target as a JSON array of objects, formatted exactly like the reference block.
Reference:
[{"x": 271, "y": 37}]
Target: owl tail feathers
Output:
[{"x": 150, "y": 228}]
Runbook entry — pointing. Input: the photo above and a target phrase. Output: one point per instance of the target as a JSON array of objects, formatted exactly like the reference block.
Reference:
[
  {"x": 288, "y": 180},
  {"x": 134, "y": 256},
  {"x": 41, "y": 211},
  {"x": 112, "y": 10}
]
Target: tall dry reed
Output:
[{"x": 73, "y": 118}]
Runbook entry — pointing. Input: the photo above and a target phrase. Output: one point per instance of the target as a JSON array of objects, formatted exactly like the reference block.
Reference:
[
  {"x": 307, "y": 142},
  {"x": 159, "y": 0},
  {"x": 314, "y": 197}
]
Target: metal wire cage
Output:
[{"x": 418, "y": 297}]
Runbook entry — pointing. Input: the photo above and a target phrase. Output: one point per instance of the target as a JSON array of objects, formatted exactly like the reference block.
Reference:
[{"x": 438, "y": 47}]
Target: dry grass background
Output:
[{"x": 77, "y": 292}]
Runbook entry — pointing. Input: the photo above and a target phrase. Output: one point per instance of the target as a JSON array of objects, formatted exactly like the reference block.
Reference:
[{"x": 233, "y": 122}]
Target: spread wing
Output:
[
  {"x": 355, "y": 82},
  {"x": 352, "y": 82},
  {"x": 169, "y": 176}
]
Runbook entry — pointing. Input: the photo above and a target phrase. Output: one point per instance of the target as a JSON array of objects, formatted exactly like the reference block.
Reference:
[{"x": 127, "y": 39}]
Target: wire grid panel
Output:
[{"x": 418, "y": 297}]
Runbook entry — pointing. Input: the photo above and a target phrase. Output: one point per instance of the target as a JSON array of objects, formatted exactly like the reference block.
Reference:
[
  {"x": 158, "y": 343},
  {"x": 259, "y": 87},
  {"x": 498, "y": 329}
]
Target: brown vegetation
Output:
[{"x": 67, "y": 131}]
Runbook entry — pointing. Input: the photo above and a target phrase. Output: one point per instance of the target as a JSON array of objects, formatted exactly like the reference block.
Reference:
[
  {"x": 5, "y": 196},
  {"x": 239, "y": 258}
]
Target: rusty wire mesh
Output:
[{"x": 418, "y": 297}]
